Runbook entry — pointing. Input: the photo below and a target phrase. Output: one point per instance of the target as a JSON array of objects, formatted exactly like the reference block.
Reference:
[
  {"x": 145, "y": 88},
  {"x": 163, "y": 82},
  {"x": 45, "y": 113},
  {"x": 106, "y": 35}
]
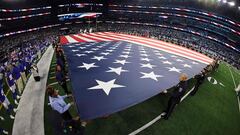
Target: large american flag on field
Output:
[{"x": 110, "y": 72}]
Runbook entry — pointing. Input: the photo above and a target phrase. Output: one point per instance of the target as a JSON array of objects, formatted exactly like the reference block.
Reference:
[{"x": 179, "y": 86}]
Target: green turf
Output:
[{"x": 213, "y": 110}]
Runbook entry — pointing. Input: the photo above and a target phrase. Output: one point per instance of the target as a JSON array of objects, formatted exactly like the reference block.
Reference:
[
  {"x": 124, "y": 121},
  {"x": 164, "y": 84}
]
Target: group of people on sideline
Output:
[
  {"x": 56, "y": 101},
  {"x": 15, "y": 69}
]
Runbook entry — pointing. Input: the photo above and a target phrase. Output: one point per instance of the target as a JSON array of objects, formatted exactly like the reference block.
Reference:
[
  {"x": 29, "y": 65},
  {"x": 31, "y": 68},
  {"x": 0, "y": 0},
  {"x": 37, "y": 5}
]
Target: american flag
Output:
[{"x": 110, "y": 72}]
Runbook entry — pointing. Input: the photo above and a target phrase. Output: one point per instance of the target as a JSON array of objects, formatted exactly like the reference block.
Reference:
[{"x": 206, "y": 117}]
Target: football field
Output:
[{"x": 213, "y": 110}]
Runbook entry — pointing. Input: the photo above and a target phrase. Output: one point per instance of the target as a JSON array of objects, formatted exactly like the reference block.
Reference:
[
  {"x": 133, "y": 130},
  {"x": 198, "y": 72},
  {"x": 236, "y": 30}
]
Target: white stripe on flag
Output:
[
  {"x": 83, "y": 38},
  {"x": 71, "y": 40},
  {"x": 92, "y": 35}
]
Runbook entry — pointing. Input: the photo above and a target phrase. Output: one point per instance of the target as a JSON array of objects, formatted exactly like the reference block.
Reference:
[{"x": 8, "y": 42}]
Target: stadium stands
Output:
[{"x": 25, "y": 33}]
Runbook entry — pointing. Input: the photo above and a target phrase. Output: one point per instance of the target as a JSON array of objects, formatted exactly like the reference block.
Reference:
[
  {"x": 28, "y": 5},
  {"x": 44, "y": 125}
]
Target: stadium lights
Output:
[
  {"x": 231, "y": 3},
  {"x": 239, "y": 8},
  {"x": 224, "y": 1}
]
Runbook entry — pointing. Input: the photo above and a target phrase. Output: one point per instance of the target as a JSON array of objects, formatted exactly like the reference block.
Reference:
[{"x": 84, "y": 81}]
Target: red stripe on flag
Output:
[{"x": 63, "y": 40}]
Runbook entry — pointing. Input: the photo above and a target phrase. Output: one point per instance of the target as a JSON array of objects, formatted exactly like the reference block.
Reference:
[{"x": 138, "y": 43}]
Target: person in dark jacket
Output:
[
  {"x": 61, "y": 59},
  {"x": 176, "y": 96},
  {"x": 61, "y": 78},
  {"x": 199, "y": 80}
]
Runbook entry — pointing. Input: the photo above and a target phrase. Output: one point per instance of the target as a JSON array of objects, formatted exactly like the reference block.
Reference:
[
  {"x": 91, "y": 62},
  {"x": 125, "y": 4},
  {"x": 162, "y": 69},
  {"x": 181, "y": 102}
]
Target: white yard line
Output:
[
  {"x": 146, "y": 125},
  {"x": 53, "y": 83},
  {"x": 187, "y": 94},
  {"x": 156, "y": 119},
  {"x": 235, "y": 86},
  {"x": 57, "y": 82},
  {"x": 52, "y": 77},
  {"x": 238, "y": 102}
]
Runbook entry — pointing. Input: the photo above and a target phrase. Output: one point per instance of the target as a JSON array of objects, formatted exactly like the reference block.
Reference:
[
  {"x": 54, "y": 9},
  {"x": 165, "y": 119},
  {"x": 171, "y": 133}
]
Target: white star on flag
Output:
[
  {"x": 75, "y": 50},
  {"x": 109, "y": 50},
  {"x": 173, "y": 56},
  {"x": 124, "y": 56},
  {"x": 126, "y": 52},
  {"x": 99, "y": 58},
  {"x": 194, "y": 63},
  {"x": 88, "y": 51},
  {"x": 145, "y": 55},
  {"x": 123, "y": 62},
  {"x": 179, "y": 60},
  {"x": 143, "y": 52},
  {"x": 145, "y": 59},
  {"x": 105, "y": 53},
  {"x": 70, "y": 46},
  {"x": 117, "y": 70},
  {"x": 150, "y": 75},
  {"x": 87, "y": 66},
  {"x": 94, "y": 49},
  {"x": 167, "y": 62},
  {"x": 80, "y": 55},
  {"x": 186, "y": 65},
  {"x": 148, "y": 65},
  {"x": 174, "y": 69},
  {"x": 164, "y": 58},
  {"x": 82, "y": 47},
  {"x": 106, "y": 86}
]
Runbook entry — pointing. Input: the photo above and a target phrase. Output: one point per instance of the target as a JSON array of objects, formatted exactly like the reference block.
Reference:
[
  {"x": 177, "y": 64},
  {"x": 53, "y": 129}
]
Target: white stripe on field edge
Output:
[{"x": 235, "y": 86}]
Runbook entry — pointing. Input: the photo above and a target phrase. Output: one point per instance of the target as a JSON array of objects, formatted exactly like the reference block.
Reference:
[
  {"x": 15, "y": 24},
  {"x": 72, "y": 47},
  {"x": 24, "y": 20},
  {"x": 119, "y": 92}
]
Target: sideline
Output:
[{"x": 29, "y": 119}]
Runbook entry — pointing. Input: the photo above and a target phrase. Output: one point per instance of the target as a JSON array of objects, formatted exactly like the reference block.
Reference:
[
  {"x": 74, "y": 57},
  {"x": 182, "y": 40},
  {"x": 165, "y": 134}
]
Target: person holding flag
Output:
[
  {"x": 176, "y": 96},
  {"x": 61, "y": 78}
]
